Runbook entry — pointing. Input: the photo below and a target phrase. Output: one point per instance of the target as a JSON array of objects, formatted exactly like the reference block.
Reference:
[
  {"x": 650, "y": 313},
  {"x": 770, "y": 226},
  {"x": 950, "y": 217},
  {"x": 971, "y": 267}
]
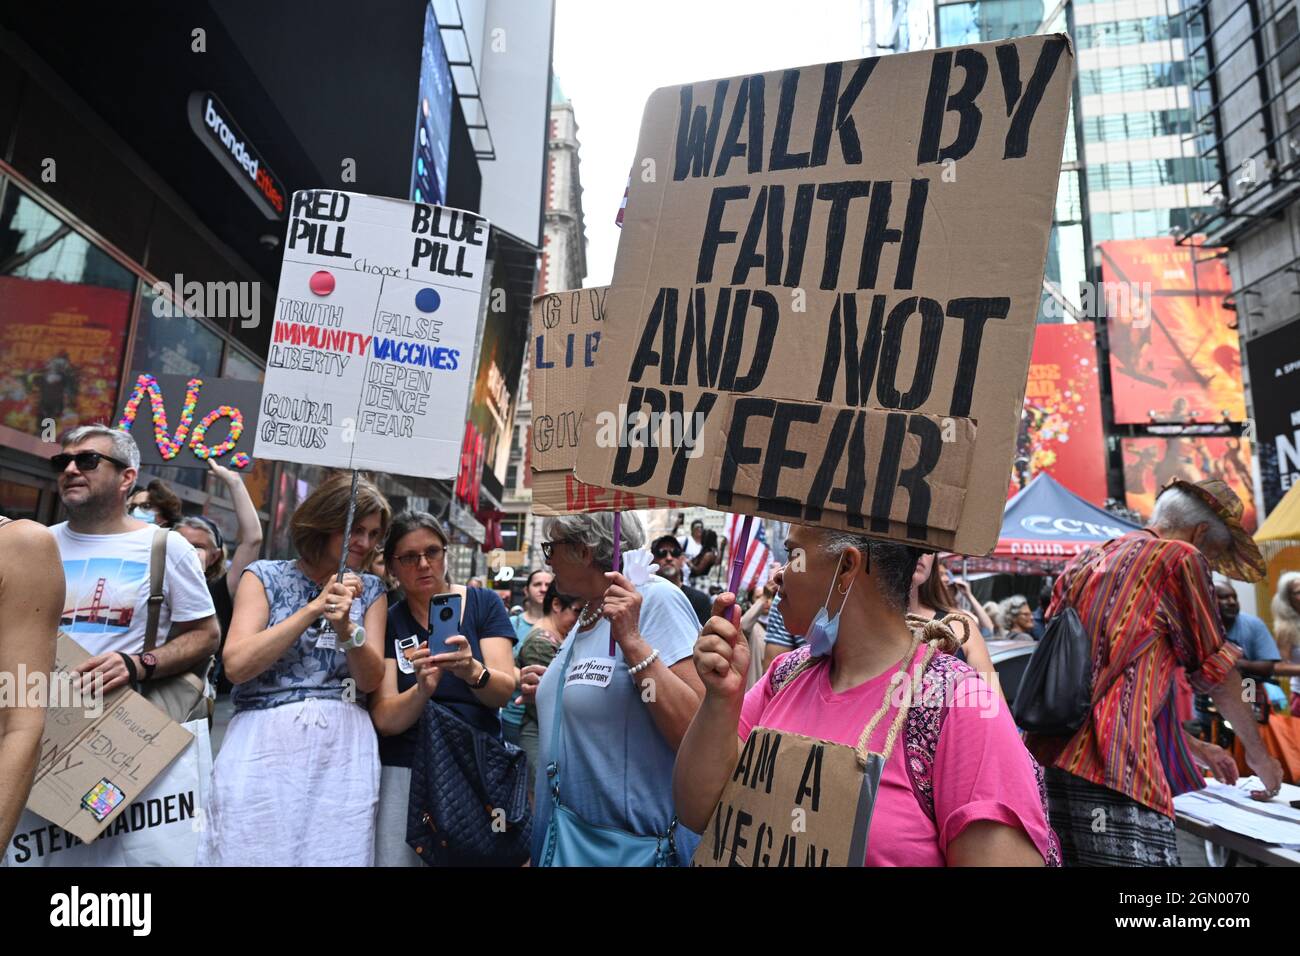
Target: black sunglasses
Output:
[
  {"x": 86, "y": 461},
  {"x": 668, "y": 552},
  {"x": 548, "y": 549}
]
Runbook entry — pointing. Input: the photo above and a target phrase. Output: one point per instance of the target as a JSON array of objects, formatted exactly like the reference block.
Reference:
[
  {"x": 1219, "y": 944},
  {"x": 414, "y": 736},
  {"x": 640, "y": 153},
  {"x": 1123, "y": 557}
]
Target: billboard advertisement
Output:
[
  {"x": 1060, "y": 425},
  {"x": 433, "y": 118},
  {"x": 1151, "y": 463},
  {"x": 1174, "y": 353},
  {"x": 1275, "y": 387},
  {"x": 61, "y": 347}
]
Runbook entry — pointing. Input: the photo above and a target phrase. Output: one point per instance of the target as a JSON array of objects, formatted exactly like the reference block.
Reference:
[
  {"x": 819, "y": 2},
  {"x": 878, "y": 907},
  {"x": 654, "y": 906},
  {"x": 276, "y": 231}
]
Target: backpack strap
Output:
[{"x": 157, "y": 569}]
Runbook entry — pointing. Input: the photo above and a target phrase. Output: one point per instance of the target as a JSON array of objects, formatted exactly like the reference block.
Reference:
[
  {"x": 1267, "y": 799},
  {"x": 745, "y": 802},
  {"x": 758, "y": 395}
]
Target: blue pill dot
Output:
[{"x": 428, "y": 300}]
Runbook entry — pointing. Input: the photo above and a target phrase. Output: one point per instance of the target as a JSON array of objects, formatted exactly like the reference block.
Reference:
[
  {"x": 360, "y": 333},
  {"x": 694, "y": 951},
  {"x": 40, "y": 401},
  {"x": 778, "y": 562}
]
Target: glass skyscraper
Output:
[{"x": 1130, "y": 168}]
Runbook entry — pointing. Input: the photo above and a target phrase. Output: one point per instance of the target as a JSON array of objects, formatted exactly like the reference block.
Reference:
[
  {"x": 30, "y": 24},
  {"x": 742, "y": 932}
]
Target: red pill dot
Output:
[{"x": 322, "y": 283}]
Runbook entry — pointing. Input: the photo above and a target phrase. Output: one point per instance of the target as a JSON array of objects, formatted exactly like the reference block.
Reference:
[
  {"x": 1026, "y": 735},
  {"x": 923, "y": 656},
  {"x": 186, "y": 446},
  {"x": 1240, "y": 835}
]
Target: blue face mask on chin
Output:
[{"x": 825, "y": 630}]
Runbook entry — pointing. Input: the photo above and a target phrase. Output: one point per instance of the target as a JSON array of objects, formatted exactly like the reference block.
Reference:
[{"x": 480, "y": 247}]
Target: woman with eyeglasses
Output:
[
  {"x": 296, "y": 782},
  {"x": 613, "y": 707},
  {"x": 154, "y": 503},
  {"x": 473, "y": 681}
]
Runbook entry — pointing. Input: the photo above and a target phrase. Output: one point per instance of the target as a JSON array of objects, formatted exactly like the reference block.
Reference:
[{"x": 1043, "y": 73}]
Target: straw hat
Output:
[{"x": 1242, "y": 559}]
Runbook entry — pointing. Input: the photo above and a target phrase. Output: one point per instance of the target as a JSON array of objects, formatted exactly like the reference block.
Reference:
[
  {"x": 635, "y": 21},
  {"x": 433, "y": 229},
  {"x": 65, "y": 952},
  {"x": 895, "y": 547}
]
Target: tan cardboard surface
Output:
[
  {"x": 870, "y": 234},
  {"x": 792, "y": 801},
  {"x": 566, "y": 333},
  {"x": 129, "y": 744}
]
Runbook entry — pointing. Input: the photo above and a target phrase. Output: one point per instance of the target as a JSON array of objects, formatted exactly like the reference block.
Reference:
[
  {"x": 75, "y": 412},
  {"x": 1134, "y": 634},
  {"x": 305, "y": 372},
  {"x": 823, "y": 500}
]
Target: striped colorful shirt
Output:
[{"x": 1149, "y": 605}]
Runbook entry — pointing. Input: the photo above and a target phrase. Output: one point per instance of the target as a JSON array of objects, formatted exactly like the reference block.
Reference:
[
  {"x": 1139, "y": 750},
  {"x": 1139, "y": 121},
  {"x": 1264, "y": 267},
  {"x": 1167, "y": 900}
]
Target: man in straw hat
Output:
[{"x": 1147, "y": 601}]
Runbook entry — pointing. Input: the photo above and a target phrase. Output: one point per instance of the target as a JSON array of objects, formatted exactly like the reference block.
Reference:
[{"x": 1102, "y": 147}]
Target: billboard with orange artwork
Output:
[
  {"x": 1060, "y": 425},
  {"x": 1174, "y": 352},
  {"x": 1151, "y": 463},
  {"x": 61, "y": 347}
]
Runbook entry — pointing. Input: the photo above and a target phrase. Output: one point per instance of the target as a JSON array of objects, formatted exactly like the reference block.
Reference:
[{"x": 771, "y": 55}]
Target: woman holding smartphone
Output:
[{"x": 471, "y": 673}]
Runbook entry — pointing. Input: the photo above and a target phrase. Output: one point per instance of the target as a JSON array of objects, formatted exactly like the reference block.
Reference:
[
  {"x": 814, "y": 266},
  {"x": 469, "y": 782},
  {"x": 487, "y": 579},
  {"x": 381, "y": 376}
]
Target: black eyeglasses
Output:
[
  {"x": 412, "y": 560},
  {"x": 86, "y": 461},
  {"x": 668, "y": 553}
]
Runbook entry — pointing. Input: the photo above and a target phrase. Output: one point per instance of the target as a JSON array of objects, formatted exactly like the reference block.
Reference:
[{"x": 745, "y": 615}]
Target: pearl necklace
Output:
[{"x": 588, "y": 618}]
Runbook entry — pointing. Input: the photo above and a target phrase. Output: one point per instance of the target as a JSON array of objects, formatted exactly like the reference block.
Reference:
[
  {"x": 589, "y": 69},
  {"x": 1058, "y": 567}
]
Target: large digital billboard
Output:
[
  {"x": 1060, "y": 425},
  {"x": 433, "y": 118},
  {"x": 1174, "y": 352}
]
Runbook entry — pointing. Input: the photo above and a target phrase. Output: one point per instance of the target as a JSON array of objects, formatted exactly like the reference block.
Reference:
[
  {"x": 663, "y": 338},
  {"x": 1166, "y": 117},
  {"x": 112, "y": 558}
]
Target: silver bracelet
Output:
[{"x": 654, "y": 655}]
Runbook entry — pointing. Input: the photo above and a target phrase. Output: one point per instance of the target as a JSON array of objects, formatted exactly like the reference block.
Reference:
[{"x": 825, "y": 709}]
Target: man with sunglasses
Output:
[
  {"x": 670, "y": 557},
  {"x": 106, "y": 556}
]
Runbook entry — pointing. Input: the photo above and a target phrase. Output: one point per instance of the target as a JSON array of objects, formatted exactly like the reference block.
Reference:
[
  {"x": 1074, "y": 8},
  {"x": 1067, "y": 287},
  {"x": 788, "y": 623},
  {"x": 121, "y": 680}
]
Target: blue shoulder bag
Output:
[{"x": 571, "y": 840}]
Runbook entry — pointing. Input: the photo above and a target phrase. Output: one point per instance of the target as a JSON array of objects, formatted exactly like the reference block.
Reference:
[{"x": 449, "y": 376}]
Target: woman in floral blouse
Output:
[{"x": 297, "y": 780}]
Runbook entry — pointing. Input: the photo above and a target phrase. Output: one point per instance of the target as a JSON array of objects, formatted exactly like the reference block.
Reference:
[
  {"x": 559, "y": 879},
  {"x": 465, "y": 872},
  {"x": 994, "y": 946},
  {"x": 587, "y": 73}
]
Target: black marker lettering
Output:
[
  {"x": 926, "y": 357},
  {"x": 778, "y": 456},
  {"x": 976, "y": 311},
  {"x": 1026, "y": 105},
  {"x": 714, "y": 234},
  {"x": 697, "y": 133},
  {"x": 749, "y": 102},
  {"x": 963, "y": 102}
]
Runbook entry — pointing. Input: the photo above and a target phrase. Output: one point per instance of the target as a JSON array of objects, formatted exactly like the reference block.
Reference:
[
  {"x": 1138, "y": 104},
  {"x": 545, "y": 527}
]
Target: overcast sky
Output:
[{"x": 611, "y": 54}]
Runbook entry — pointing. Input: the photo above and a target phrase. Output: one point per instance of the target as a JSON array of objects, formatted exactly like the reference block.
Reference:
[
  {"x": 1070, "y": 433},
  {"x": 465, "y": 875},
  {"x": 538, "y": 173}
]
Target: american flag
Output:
[
  {"x": 757, "y": 554},
  {"x": 622, "y": 207}
]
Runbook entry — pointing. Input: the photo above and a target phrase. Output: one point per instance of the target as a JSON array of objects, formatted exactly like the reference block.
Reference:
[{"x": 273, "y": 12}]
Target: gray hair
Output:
[
  {"x": 596, "y": 531},
  {"x": 1180, "y": 510},
  {"x": 1008, "y": 608},
  {"x": 218, "y": 567},
  {"x": 891, "y": 563},
  {"x": 124, "y": 446}
]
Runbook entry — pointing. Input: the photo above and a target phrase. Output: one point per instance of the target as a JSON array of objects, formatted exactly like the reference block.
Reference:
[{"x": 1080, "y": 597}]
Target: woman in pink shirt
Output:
[{"x": 959, "y": 789}]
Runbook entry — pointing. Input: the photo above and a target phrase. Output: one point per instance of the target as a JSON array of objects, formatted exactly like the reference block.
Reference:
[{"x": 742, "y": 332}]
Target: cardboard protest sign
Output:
[
  {"x": 160, "y": 826},
  {"x": 792, "y": 801},
  {"x": 835, "y": 271},
  {"x": 371, "y": 354},
  {"x": 96, "y": 760},
  {"x": 566, "y": 333},
  {"x": 183, "y": 422}
]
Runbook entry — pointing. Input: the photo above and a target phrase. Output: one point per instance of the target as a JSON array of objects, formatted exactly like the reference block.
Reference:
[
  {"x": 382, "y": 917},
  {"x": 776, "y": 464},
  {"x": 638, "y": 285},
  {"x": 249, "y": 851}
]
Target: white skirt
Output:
[{"x": 294, "y": 785}]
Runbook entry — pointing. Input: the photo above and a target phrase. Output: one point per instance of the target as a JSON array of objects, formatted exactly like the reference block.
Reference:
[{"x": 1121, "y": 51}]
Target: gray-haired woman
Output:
[
  {"x": 630, "y": 691},
  {"x": 1016, "y": 617}
]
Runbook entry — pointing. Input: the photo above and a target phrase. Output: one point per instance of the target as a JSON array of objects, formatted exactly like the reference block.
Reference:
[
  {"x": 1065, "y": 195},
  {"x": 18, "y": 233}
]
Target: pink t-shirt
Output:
[{"x": 981, "y": 771}]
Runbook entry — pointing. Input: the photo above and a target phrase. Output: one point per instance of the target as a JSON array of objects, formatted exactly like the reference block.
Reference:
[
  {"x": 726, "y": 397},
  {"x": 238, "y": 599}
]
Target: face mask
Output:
[
  {"x": 825, "y": 630},
  {"x": 143, "y": 514}
]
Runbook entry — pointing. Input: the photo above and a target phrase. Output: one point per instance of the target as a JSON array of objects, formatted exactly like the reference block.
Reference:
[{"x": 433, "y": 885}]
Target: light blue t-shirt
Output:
[
  {"x": 1251, "y": 634},
  {"x": 616, "y": 769}
]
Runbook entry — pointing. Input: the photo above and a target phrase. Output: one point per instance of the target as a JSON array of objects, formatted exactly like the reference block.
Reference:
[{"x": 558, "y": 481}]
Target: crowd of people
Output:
[{"x": 631, "y": 694}]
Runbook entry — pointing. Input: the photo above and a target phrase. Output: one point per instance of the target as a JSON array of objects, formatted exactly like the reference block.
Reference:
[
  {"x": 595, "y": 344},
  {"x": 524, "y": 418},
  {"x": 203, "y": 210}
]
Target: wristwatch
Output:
[
  {"x": 358, "y": 638},
  {"x": 483, "y": 679},
  {"x": 150, "y": 662}
]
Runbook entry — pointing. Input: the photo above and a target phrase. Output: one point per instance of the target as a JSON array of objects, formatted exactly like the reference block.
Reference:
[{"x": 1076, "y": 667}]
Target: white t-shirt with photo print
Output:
[{"x": 107, "y": 602}]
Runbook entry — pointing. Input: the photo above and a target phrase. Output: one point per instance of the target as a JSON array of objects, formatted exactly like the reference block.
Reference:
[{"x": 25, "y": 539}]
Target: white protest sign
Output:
[
  {"x": 371, "y": 355},
  {"x": 161, "y": 827}
]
